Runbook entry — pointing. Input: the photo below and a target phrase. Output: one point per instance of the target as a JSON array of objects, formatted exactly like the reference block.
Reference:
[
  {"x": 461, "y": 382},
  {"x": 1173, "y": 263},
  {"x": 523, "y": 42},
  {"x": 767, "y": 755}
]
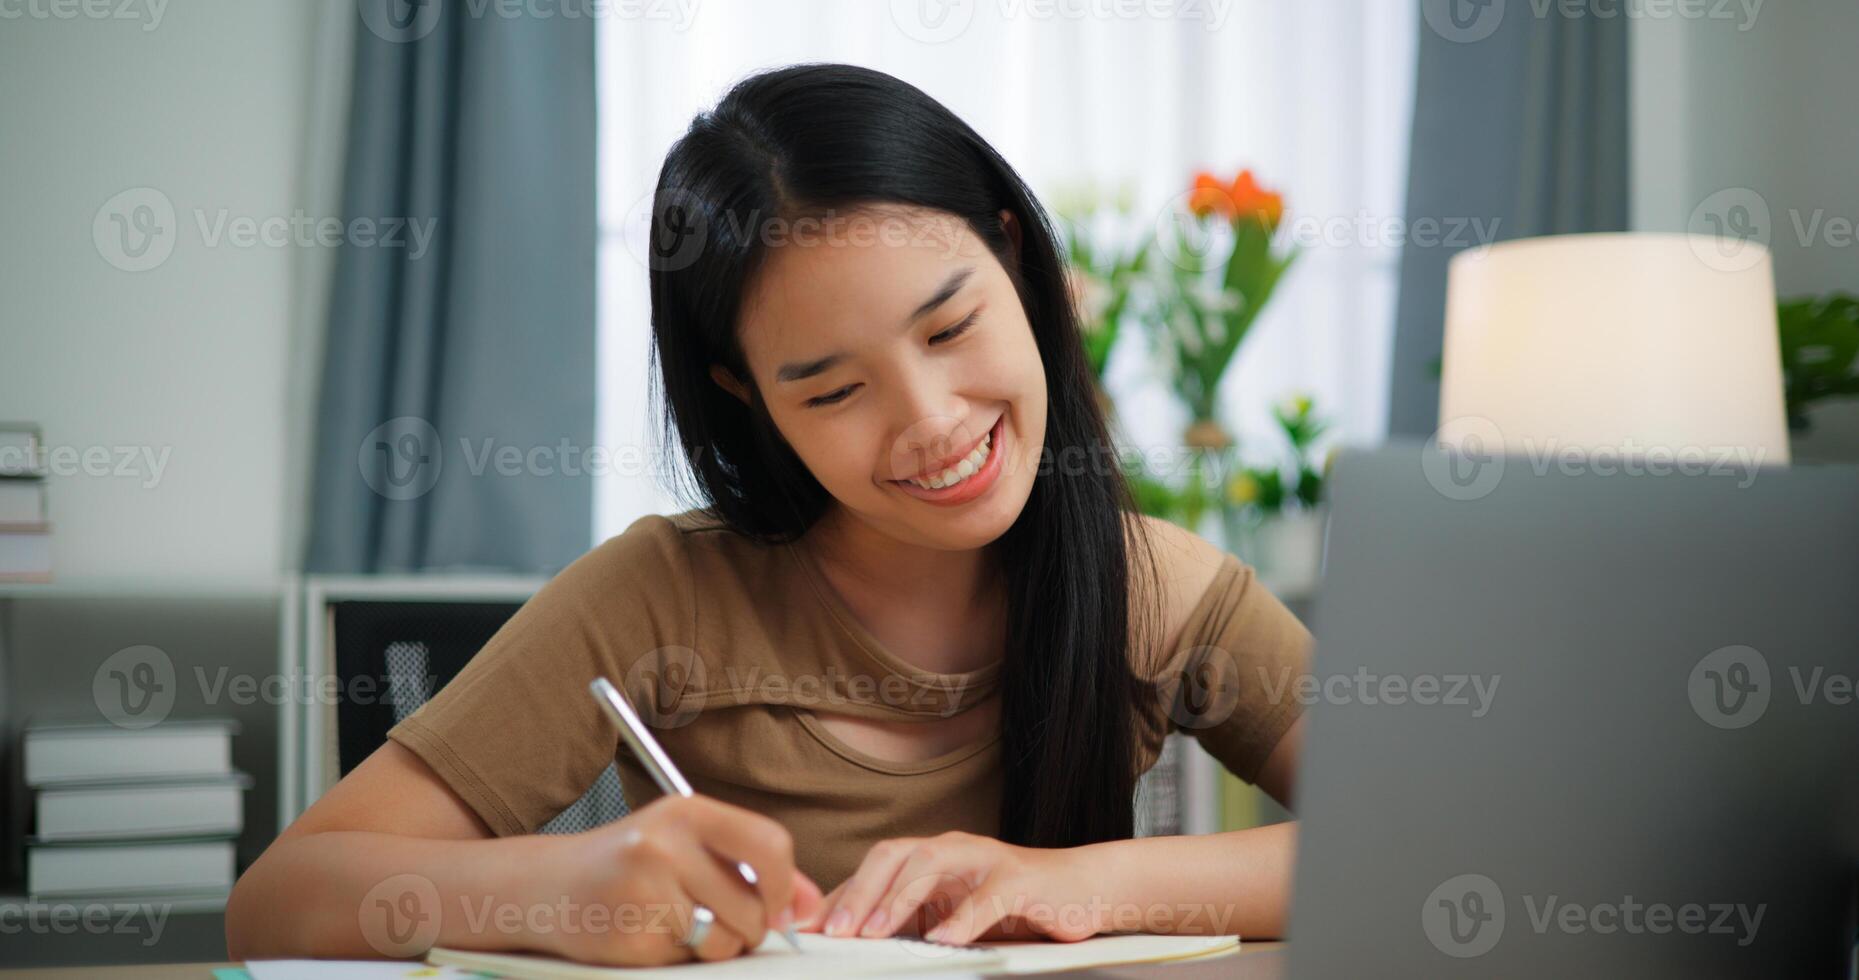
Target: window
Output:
[{"x": 1314, "y": 97}]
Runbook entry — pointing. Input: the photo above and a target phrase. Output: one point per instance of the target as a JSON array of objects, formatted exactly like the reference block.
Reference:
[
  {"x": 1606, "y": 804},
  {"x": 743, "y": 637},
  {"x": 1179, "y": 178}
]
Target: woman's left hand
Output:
[{"x": 961, "y": 887}]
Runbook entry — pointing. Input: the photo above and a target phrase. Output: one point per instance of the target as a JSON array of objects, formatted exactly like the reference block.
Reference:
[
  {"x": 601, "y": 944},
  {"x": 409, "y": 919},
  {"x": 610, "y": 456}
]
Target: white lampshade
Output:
[{"x": 1621, "y": 342}]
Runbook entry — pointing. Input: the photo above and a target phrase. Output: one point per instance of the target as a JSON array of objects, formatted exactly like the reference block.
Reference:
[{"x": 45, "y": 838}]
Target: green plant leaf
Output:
[{"x": 1819, "y": 339}]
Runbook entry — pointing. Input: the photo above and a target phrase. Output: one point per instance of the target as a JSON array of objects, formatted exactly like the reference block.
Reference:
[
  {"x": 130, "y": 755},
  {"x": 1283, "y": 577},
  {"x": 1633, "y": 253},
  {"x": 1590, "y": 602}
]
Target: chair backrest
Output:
[{"x": 389, "y": 655}]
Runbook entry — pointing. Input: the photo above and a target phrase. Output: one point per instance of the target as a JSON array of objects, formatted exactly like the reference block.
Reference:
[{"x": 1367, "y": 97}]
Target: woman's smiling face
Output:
[{"x": 891, "y": 344}]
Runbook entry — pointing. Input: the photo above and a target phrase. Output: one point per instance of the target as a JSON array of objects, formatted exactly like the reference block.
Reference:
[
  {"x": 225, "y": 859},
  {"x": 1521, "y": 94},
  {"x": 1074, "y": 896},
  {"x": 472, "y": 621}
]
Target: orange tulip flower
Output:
[
  {"x": 1209, "y": 196},
  {"x": 1241, "y": 200},
  {"x": 1251, "y": 200}
]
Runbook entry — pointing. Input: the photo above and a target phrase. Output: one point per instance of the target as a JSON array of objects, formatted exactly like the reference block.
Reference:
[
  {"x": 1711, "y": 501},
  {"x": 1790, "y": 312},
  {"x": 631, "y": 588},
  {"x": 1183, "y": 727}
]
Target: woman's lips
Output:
[{"x": 975, "y": 485}]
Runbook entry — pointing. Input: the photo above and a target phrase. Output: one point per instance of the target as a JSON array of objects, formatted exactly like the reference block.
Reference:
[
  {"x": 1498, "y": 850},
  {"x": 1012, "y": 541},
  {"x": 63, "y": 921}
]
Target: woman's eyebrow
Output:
[
  {"x": 949, "y": 288},
  {"x": 802, "y": 370}
]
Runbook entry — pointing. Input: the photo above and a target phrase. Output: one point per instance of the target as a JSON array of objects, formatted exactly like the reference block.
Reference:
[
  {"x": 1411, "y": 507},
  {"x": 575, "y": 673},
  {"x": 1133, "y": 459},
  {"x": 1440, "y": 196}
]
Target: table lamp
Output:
[{"x": 1624, "y": 343}]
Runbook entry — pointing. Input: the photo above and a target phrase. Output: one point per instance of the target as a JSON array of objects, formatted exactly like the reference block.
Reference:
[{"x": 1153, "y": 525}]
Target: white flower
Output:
[
  {"x": 1186, "y": 332},
  {"x": 1214, "y": 298}
]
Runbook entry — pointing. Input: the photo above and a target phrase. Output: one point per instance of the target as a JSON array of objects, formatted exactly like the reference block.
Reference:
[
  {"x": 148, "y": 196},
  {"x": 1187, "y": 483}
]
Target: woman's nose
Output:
[{"x": 923, "y": 394}]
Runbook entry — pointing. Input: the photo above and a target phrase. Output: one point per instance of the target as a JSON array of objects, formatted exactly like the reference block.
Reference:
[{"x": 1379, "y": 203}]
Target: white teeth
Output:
[{"x": 969, "y": 465}]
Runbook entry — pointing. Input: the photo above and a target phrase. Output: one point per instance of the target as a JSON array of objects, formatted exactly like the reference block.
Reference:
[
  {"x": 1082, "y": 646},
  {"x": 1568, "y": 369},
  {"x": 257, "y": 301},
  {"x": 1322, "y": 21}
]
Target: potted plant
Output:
[
  {"x": 1275, "y": 512},
  {"x": 1223, "y": 266},
  {"x": 1224, "y": 262},
  {"x": 1820, "y": 352}
]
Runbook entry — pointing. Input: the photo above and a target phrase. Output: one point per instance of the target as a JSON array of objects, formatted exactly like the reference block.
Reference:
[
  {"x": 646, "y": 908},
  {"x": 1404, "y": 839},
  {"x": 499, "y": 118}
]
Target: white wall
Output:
[
  {"x": 1758, "y": 112},
  {"x": 192, "y": 358}
]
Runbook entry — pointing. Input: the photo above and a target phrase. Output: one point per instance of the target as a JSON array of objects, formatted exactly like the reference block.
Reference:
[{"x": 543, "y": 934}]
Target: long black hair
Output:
[{"x": 808, "y": 139}]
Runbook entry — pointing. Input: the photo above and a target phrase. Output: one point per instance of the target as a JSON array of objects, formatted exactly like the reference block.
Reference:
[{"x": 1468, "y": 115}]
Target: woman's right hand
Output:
[{"x": 647, "y": 869}]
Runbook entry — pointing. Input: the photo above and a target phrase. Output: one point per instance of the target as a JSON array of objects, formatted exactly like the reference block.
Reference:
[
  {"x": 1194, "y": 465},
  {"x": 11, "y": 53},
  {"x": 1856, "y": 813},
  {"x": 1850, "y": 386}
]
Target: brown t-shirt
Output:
[{"x": 726, "y": 647}]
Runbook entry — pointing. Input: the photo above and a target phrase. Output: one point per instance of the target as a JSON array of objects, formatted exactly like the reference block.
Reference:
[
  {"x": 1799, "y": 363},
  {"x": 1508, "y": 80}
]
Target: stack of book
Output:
[
  {"x": 125, "y": 813},
  {"x": 25, "y": 535}
]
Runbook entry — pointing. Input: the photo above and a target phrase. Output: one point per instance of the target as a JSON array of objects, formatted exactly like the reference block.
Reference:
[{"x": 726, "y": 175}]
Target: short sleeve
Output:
[
  {"x": 1232, "y": 678},
  {"x": 516, "y": 733}
]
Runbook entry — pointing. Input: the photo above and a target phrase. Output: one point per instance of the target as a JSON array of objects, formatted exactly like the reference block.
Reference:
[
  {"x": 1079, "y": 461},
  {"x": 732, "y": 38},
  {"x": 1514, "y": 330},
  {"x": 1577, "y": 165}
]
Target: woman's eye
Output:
[
  {"x": 957, "y": 330},
  {"x": 830, "y": 397},
  {"x": 833, "y": 397}
]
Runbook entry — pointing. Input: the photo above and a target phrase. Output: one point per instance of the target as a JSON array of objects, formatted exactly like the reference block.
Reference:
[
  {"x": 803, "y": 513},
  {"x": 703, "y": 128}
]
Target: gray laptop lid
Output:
[{"x": 1569, "y": 724}]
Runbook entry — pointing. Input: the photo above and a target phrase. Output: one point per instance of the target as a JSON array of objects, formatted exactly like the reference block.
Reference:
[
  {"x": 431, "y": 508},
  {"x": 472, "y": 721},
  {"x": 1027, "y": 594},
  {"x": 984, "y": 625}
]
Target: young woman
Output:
[{"x": 916, "y": 648}]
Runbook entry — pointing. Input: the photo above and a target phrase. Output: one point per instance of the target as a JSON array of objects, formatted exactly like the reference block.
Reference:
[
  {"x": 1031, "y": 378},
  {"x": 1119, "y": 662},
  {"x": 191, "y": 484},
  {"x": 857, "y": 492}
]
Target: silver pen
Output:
[{"x": 653, "y": 757}]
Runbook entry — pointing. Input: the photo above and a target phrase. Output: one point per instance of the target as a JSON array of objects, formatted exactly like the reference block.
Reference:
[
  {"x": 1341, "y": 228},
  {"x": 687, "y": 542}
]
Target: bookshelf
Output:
[{"x": 54, "y": 637}]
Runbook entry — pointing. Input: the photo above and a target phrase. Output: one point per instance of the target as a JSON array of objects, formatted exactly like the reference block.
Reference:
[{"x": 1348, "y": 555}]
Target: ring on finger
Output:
[{"x": 701, "y": 921}]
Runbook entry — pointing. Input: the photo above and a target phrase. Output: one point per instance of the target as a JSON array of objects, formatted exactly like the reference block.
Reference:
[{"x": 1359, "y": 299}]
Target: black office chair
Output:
[{"x": 409, "y": 649}]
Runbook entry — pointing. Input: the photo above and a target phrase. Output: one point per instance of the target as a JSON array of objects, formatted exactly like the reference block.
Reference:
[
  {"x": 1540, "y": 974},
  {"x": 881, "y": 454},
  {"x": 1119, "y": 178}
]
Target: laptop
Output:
[{"x": 1566, "y": 722}]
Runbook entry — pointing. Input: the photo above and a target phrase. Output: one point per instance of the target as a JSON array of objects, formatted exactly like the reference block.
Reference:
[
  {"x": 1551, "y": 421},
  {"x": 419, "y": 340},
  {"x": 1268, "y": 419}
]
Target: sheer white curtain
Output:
[{"x": 1315, "y": 97}]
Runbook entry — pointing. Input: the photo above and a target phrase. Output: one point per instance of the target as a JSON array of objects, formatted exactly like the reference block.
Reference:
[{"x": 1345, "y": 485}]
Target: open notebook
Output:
[{"x": 829, "y": 956}]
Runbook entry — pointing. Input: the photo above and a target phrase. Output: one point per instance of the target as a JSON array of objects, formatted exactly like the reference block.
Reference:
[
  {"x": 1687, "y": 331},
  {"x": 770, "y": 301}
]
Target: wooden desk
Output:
[{"x": 1255, "y": 961}]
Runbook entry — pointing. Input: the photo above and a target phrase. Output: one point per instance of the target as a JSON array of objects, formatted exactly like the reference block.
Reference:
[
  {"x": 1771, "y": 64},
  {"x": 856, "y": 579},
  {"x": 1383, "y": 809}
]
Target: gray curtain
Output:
[
  {"x": 1520, "y": 122},
  {"x": 457, "y": 392}
]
